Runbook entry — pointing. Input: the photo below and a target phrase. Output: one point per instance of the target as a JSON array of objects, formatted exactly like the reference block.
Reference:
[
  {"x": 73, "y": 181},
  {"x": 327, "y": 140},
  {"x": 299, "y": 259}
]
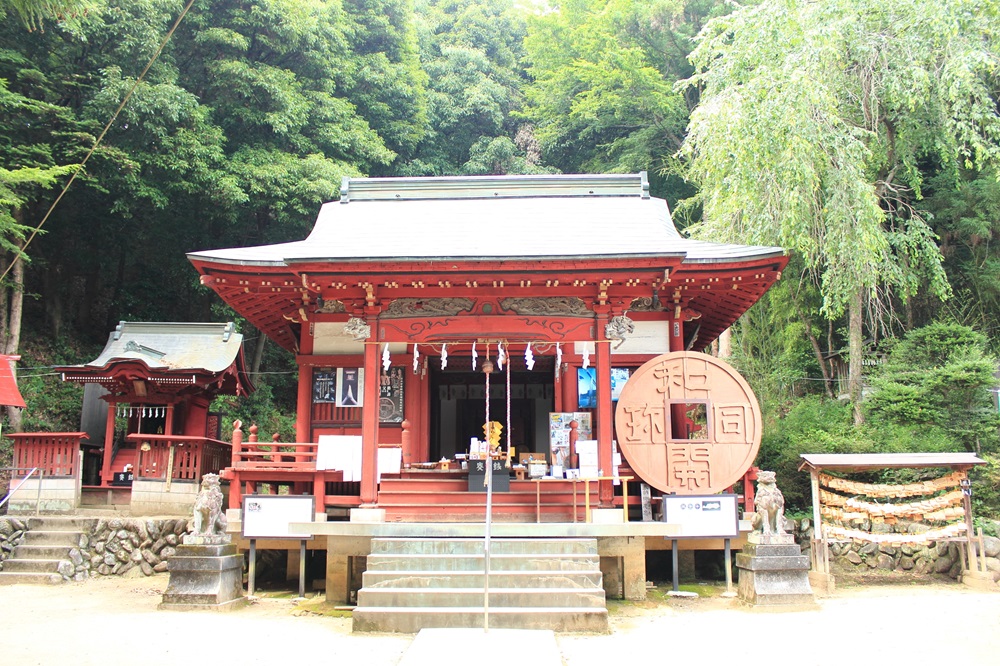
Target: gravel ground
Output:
[{"x": 111, "y": 621}]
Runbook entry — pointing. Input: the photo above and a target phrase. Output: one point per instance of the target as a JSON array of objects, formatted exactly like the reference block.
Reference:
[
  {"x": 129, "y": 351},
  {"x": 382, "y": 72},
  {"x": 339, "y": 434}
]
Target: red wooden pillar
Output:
[
  {"x": 303, "y": 398},
  {"x": 369, "y": 418},
  {"x": 109, "y": 440},
  {"x": 605, "y": 434}
]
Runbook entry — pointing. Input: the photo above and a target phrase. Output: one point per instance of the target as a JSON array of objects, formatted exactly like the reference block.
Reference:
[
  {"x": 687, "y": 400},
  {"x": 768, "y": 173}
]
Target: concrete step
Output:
[
  {"x": 52, "y": 538},
  {"x": 50, "y": 566},
  {"x": 449, "y": 546},
  {"x": 61, "y": 524},
  {"x": 412, "y": 584},
  {"x": 31, "y": 552},
  {"x": 412, "y": 620},
  {"x": 473, "y": 562},
  {"x": 25, "y": 578},
  {"x": 405, "y": 597},
  {"x": 581, "y": 580}
]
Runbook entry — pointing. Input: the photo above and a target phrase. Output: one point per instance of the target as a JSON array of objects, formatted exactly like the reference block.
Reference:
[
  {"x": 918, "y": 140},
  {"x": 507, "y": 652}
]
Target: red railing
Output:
[
  {"x": 298, "y": 456},
  {"x": 54, "y": 453},
  {"x": 186, "y": 457}
]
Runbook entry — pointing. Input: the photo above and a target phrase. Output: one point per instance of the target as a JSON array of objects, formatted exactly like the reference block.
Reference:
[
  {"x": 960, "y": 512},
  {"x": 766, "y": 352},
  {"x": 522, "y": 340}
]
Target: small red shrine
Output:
[
  {"x": 407, "y": 286},
  {"x": 158, "y": 380}
]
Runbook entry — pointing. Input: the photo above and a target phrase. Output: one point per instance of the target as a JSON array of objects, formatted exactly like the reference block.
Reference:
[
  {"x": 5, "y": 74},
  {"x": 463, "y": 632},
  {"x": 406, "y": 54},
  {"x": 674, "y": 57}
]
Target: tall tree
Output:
[
  {"x": 471, "y": 51},
  {"x": 816, "y": 124},
  {"x": 602, "y": 96}
]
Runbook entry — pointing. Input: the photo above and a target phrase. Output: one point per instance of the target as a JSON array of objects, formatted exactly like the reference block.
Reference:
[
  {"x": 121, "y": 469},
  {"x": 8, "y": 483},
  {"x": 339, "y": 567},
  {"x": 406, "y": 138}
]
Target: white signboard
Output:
[
  {"x": 703, "y": 515},
  {"x": 341, "y": 452},
  {"x": 269, "y": 516}
]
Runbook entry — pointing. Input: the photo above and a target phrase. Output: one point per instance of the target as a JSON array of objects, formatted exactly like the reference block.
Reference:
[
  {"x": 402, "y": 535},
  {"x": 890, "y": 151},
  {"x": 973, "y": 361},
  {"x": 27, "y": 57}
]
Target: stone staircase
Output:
[
  {"x": 49, "y": 553},
  {"x": 416, "y": 583}
]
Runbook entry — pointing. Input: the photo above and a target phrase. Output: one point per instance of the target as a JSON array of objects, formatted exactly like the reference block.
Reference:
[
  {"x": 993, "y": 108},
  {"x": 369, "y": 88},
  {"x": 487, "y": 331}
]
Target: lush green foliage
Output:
[{"x": 940, "y": 376}]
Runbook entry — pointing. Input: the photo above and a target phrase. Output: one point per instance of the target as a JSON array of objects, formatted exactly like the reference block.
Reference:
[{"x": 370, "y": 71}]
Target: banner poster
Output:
[
  {"x": 350, "y": 387},
  {"x": 324, "y": 386},
  {"x": 390, "y": 400},
  {"x": 559, "y": 433}
]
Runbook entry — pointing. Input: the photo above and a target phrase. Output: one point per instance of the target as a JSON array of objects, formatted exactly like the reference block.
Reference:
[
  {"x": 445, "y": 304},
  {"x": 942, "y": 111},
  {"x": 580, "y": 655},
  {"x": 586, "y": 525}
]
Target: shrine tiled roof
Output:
[
  {"x": 169, "y": 347},
  {"x": 491, "y": 218}
]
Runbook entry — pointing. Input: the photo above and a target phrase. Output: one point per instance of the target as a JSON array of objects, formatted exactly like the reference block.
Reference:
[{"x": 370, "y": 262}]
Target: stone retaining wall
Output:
[
  {"x": 119, "y": 545},
  {"x": 113, "y": 547},
  {"x": 942, "y": 557},
  {"x": 11, "y": 533}
]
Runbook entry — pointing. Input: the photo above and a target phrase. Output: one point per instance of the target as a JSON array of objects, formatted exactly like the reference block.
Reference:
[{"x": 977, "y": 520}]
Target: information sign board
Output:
[
  {"x": 269, "y": 516},
  {"x": 703, "y": 515}
]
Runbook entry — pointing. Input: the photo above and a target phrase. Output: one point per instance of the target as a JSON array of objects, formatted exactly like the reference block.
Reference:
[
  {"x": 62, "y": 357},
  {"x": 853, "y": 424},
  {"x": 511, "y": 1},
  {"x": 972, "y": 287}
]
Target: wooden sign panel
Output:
[
  {"x": 391, "y": 396},
  {"x": 686, "y": 388}
]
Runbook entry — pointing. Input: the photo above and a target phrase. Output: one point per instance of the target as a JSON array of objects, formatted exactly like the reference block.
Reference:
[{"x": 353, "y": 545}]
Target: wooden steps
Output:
[{"x": 449, "y": 499}]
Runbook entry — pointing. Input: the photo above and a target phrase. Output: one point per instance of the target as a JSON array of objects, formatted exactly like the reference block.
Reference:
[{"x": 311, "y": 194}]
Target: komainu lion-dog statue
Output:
[
  {"x": 769, "y": 504},
  {"x": 209, "y": 518}
]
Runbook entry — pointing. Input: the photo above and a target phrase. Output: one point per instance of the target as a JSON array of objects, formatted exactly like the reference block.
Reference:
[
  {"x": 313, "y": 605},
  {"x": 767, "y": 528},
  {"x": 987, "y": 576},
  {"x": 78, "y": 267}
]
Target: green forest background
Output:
[{"x": 861, "y": 135}]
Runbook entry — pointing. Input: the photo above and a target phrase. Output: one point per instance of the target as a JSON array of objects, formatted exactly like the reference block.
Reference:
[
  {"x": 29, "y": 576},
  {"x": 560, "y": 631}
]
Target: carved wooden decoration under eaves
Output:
[
  {"x": 643, "y": 304},
  {"x": 426, "y": 307},
  {"x": 332, "y": 307},
  {"x": 546, "y": 307}
]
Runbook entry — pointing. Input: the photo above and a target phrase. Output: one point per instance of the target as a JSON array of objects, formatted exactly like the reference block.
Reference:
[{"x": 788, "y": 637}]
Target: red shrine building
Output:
[{"x": 406, "y": 287}]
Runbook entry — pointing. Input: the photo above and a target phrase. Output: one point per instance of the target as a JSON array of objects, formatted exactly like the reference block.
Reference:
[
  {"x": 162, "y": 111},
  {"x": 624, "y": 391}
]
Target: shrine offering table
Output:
[{"x": 586, "y": 493}]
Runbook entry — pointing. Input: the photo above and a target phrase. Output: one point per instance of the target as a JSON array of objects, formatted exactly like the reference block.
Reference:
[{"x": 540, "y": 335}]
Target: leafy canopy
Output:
[{"x": 816, "y": 118}]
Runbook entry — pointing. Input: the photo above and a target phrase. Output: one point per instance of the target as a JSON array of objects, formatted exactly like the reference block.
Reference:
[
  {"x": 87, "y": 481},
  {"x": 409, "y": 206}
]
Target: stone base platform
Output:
[
  {"x": 774, "y": 574},
  {"x": 204, "y": 576}
]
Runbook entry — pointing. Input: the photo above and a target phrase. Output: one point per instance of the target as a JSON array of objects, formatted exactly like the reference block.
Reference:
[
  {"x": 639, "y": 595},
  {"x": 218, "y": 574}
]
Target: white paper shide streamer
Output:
[
  {"x": 444, "y": 356},
  {"x": 529, "y": 358},
  {"x": 386, "y": 361},
  {"x": 586, "y": 355},
  {"x": 475, "y": 357},
  {"x": 416, "y": 360},
  {"x": 501, "y": 356}
]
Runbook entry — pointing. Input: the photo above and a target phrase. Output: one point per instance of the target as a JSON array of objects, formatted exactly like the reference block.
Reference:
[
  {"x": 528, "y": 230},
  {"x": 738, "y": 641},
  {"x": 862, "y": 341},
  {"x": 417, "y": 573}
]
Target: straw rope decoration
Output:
[{"x": 935, "y": 501}]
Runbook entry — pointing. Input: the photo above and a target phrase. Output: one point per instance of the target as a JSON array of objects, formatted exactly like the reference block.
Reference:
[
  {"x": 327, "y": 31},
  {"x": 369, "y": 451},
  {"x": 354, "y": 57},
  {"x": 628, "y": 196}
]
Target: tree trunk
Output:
[
  {"x": 12, "y": 327},
  {"x": 855, "y": 352},
  {"x": 817, "y": 350},
  {"x": 258, "y": 355},
  {"x": 726, "y": 344}
]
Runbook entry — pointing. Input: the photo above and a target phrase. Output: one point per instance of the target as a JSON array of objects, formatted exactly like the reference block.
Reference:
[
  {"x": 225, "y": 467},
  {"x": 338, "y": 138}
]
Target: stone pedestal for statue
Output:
[
  {"x": 206, "y": 573},
  {"x": 774, "y": 573}
]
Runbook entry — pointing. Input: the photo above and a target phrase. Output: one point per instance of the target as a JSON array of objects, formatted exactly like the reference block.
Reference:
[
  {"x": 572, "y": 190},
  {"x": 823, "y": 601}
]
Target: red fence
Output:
[
  {"x": 183, "y": 457},
  {"x": 53, "y": 453},
  {"x": 275, "y": 456}
]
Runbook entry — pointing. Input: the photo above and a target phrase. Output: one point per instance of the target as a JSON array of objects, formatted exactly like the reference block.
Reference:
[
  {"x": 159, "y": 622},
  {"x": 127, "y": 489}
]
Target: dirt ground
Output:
[{"x": 111, "y": 621}]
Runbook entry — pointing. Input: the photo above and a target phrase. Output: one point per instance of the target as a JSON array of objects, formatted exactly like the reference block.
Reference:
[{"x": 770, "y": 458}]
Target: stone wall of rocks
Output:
[
  {"x": 942, "y": 557},
  {"x": 119, "y": 545},
  {"x": 113, "y": 547},
  {"x": 11, "y": 532}
]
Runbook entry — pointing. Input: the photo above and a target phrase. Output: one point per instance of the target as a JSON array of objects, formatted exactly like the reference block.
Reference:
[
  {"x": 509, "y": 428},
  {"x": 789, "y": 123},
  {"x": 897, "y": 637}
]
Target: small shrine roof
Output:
[
  {"x": 490, "y": 218},
  {"x": 170, "y": 347},
  {"x": 865, "y": 461}
]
